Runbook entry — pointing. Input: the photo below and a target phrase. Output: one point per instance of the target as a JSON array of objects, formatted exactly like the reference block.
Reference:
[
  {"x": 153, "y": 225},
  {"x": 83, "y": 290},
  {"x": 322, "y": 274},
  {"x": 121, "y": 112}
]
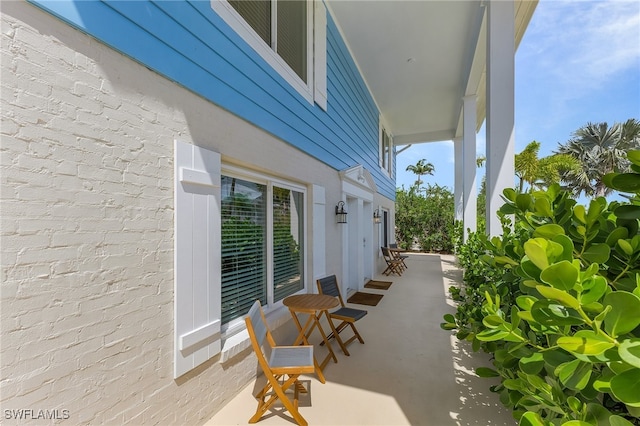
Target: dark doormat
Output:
[
  {"x": 365, "y": 298},
  {"x": 378, "y": 285}
]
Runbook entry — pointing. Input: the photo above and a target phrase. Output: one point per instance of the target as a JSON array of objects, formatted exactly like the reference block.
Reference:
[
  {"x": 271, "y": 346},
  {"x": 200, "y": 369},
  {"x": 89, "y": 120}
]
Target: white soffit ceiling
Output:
[{"x": 417, "y": 57}]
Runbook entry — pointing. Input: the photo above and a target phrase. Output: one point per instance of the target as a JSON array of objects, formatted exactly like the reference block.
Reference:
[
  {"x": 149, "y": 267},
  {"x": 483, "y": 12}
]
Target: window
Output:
[
  {"x": 283, "y": 27},
  {"x": 386, "y": 150},
  {"x": 262, "y": 243},
  {"x": 289, "y": 34}
]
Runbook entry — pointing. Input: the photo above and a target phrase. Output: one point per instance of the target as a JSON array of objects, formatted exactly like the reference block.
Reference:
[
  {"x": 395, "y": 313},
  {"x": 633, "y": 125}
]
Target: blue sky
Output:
[{"x": 578, "y": 62}]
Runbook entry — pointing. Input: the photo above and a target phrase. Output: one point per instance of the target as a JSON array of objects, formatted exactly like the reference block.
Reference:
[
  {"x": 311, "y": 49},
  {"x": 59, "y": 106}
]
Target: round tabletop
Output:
[{"x": 310, "y": 302}]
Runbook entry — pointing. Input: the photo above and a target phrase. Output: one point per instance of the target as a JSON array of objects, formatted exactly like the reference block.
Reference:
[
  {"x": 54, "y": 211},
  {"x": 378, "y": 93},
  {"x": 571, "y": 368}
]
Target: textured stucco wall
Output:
[{"x": 87, "y": 228}]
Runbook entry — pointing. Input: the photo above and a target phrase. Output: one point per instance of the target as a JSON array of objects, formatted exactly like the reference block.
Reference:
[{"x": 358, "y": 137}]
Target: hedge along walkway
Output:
[{"x": 408, "y": 372}]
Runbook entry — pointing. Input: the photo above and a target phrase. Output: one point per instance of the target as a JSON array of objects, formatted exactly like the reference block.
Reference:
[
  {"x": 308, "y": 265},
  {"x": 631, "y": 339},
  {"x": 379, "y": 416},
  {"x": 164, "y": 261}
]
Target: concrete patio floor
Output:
[{"x": 408, "y": 372}]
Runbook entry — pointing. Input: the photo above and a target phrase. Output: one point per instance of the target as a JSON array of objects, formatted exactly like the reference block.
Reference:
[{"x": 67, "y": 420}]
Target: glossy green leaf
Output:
[
  {"x": 593, "y": 289},
  {"x": 486, "y": 372},
  {"x": 625, "y": 182},
  {"x": 596, "y": 206},
  {"x": 562, "y": 275},
  {"x": 617, "y": 234},
  {"x": 491, "y": 335},
  {"x": 525, "y": 302},
  {"x": 548, "y": 231},
  {"x": 597, "y": 253},
  {"x": 625, "y": 386},
  {"x": 555, "y": 357},
  {"x": 524, "y": 201},
  {"x": 603, "y": 382},
  {"x": 531, "y": 418},
  {"x": 625, "y": 312},
  {"x": 634, "y": 156},
  {"x": 574, "y": 404},
  {"x": 574, "y": 374},
  {"x": 532, "y": 364},
  {"x": 510, "y": 194},
  {"x": 530, "y": 269},
  {"x": 597, "y": 414},
  {"x": 513, "y": 384},
  {"x": 526, "y": 316},
  {"x": 625, "y": 247},
  {"x": 576, "y": 423},
  {"x": 550, "y": 313},
  {"x": 567, "y": 247},
  {"x": 629, "y": 351},
  {"x": 536, "y": 250},
  {"x": 628, "y": 212},
  {"x": 616, "y": 420},
  {"x": 558, "y": 295},
  {"x": 543, "y": 207},
  {"x": 579, "y": 212},
  {"x": 589, "y": 272},
  {"x": 585, "y": 342},
  {"x": 449, "y": 318},
  {"x": 504, "y": 260},
  {"x": 492, "y": 321}
]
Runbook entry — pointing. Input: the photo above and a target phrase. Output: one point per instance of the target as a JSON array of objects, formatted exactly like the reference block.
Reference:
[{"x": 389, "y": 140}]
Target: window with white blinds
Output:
[
  {"x": 287, "y": 242},
  {"x": 262, "y": 244},
  {"x": 244, "y": 239},
  {"x": 282, "y": 25}
]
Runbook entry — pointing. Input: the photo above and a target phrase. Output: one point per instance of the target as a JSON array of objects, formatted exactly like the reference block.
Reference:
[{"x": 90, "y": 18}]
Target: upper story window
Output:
[
  {"x": 386, "y": 150},
  {"x": 290, "y": 35},
  {"x": 283, "y": 27}
]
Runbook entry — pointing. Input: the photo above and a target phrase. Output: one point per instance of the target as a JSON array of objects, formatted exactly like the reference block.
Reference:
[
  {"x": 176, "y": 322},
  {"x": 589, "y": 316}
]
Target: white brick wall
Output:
[{"x": 86, "y": 310}]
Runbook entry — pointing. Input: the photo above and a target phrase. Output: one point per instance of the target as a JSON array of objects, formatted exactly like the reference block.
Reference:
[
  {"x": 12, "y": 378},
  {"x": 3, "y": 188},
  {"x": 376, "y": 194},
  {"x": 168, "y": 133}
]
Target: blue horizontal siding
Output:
[{"x": 188, "y": 43}]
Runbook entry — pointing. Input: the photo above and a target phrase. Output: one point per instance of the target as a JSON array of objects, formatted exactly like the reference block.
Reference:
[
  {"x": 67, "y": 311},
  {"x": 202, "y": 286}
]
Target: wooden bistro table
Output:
[{"x": 314, "y": 305}]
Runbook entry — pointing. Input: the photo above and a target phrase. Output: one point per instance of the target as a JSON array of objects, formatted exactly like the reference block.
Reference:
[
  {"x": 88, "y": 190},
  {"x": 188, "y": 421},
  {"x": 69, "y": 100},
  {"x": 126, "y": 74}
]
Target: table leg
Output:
[
  {"x": 302, "y": 338},
  {"x": 326, "y": 341}
]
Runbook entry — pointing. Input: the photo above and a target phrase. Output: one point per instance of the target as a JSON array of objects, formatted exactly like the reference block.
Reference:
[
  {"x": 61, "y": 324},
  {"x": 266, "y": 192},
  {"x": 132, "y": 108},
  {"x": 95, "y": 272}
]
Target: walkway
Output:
[{"x": 408, "y": 372}]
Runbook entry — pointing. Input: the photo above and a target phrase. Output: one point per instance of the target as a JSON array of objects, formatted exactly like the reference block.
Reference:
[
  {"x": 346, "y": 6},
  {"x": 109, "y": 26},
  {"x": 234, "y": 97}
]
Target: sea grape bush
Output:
[{"x": 556, "y": 301}]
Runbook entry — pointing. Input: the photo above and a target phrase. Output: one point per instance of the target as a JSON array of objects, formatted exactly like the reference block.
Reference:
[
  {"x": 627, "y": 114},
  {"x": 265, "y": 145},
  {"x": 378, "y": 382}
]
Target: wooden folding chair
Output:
[
  {"x": 282, "y": 365},
  {"x": 347, "y": 316},
  {"x": 396, "y": 252},
  {"x": 394, "y": 266}
]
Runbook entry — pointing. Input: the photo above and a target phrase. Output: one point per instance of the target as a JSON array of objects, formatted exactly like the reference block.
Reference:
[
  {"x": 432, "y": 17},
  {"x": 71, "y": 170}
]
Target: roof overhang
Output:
[{"x": 420, "y": 58}]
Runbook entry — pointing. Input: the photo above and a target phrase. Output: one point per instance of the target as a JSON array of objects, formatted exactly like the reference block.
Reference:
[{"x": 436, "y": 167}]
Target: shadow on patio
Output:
[{"x": 408, "y": 372}]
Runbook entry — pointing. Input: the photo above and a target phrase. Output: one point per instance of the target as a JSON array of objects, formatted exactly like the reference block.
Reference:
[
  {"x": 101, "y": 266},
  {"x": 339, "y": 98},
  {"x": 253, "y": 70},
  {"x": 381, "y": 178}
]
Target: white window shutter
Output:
[
  {"x": 197, "y": 257},
  {"x": 320, "y": 54}
]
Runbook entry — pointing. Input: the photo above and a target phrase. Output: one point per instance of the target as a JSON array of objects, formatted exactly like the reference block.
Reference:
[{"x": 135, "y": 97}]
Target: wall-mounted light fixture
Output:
[
  {"x": 341, "y": 213},
  {"x": 376, "y": 217}
]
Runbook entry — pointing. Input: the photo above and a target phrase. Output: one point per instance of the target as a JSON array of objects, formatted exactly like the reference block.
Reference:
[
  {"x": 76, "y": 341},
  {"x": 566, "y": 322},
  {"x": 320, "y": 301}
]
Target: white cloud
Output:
[{"x": 584, "y": 41}]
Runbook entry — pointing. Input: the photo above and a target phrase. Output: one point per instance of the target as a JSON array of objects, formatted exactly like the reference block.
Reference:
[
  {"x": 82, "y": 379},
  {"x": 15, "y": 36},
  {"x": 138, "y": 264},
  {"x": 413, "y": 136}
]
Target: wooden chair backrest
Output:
[
  {"x": 386, "y": 254},
  {"x": 329, "y": 286},
  {"x": 258, "y": 331}
]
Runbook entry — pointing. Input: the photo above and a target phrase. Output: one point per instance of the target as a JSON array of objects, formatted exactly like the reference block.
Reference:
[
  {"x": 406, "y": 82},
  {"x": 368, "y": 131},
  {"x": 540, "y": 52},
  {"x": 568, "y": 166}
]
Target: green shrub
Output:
[
  {"x": 556, "y": 301},
  {"x": 425, "y": 220}
]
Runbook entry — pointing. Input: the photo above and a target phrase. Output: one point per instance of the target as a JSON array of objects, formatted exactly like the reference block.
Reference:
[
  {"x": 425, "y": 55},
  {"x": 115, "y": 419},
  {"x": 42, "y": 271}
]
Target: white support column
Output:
[
  {"x": 458, "y": 183},
  {"x": 500, "y": 107},
  {"x": 470, "y": 197}
]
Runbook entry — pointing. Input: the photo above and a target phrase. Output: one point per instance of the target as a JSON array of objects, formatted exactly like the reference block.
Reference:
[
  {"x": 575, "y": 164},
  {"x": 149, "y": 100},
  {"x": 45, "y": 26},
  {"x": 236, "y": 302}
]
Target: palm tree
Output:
[
  {"x": 527, "y": 165},
  {"x": 421, "y": 168},
  {"x": 600, "y": 149}
]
